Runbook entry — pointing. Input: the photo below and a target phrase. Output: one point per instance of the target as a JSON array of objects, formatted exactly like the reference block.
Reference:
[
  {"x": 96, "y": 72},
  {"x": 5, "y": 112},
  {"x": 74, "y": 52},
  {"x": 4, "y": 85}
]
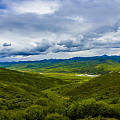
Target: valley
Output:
[
  {"x": 59, "y": 59},
  {"x": 58, "y": 96},
  {"x": 69, "y": 89},
  {"x": 78, "y": 65}
]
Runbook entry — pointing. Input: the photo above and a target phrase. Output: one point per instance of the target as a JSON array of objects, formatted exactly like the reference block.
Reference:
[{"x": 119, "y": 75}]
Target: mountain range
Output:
[{"x": 91, "y": 65}]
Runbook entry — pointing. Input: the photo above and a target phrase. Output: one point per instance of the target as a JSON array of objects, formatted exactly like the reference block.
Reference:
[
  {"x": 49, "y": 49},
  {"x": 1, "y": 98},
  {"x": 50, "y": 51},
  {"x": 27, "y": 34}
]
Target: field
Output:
[
  {"x": 89, "y": 65},
  {"x": 58, "y": 96}
]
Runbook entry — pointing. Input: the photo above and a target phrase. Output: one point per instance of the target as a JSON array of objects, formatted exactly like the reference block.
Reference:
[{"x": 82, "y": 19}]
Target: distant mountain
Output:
[{"x": 92, "y": 65}]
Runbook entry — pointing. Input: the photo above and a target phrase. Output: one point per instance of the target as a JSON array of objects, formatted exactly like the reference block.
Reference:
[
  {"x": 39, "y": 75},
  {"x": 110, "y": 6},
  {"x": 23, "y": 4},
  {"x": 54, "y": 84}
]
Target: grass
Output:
[
  {"x": 102, "y": 87},
  {"x": 58, "y": 96},
  {"x": 91, "y": 65}
]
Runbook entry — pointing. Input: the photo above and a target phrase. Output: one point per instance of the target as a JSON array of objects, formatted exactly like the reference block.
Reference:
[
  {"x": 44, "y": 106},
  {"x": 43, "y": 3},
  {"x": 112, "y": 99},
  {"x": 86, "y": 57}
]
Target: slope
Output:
[
  {"x": 92, "y": 65},
  {"x": 32, "y": 96},
  {"x": 14, "y": 83},
  {"x": 102, "y": 87}
]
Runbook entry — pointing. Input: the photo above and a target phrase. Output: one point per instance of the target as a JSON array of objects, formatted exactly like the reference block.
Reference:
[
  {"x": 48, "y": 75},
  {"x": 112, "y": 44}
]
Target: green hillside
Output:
[
  {"x": 102, "y": 87},
  {"x": 94, "y": 97},
  {"x": 91, "y": 65},
  {"x": 29, "y": 96},
  {"x": 56, "y": 96}
]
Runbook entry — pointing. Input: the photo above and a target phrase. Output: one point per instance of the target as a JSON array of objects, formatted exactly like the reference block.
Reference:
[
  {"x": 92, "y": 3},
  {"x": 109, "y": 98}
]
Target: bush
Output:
[
  {"x": 55, "y": 116},
  {"x": 99, "y": 118},
  {"x": 91, "y": 108},
  {"x": 114, "y": 100},
  {"x": 36, "y": 113},
  {"x": 12, "y": 115},
  {"x": 42, "y": 101}
]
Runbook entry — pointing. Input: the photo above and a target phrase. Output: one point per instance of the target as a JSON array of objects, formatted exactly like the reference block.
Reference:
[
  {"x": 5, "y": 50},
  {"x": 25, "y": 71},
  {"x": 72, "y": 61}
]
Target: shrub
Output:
[
  {"x": 35, "y": 113},
  {"x": 114, "y": 100},
  {"x": 99, "y": 118},
  {"x": 56, "y": 116},
  {"x": 12, "y": 115},
  {"x": 42, "y": 101},
  {"x": 91, "y": 108}
]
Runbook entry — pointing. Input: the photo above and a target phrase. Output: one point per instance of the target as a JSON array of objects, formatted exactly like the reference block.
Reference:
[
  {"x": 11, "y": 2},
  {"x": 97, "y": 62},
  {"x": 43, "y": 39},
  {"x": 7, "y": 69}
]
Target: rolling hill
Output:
[
  {"x": 102, "y": 87},
  {"x": 92, "y": 65},
  {"x": 31, "y": 96},
  {"x": 96, "y": 97}
]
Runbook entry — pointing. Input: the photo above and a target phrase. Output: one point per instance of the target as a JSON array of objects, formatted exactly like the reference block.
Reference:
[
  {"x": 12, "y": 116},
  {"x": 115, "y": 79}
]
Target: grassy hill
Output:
[
  {"x": 92, "y": 98},
  {"x": 29, "y": 96},
  {"x": 91, "y": 65},
  {"x": 34, "y": 96},
  {"x": 102, "y": 87}
]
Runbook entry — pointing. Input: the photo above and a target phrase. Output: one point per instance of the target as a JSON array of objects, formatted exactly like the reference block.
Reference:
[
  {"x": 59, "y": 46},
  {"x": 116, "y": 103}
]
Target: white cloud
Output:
[
  {"x": 34, "y": 7},
  {"x": 59, "y": 28},
  {"x": 110, "y": 37},
  {"x": 77, "y": 19}
]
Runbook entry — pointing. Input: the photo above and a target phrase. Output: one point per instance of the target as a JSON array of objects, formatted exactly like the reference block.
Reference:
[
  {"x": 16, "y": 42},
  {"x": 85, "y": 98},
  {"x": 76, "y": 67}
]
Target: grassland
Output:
[
  {"x": 58, "y": 96},
  {"x": 90, "y": 65}
]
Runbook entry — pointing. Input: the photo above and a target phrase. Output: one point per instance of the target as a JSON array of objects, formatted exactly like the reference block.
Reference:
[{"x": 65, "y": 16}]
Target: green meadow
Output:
[
  {"x": 89, "y": 65},
  {"x": 58, "y": 96}
]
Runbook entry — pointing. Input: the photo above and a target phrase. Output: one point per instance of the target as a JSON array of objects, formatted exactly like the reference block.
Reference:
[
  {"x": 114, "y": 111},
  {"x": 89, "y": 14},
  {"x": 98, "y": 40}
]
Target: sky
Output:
[{"x": 58, "y": 29}]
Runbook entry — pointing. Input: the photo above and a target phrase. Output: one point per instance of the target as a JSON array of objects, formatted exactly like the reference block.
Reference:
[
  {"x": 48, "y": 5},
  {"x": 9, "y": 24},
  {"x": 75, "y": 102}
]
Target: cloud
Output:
[
  {"x": 35, "y": 29},
  {"x": 6, "y": 44},
  {"x": 109, "y": 39},
  {"x": 35, "y": 7},
  {"x": 30, "y": 6}
]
